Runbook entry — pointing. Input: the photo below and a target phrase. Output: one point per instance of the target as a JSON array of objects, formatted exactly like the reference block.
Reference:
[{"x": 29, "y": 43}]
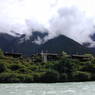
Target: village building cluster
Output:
[{"x": 45, "y": 57}]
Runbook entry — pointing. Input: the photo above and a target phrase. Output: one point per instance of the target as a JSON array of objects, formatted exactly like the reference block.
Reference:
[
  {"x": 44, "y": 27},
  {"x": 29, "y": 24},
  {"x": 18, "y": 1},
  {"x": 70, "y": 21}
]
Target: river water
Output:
[{"x": 81, "y": 88}]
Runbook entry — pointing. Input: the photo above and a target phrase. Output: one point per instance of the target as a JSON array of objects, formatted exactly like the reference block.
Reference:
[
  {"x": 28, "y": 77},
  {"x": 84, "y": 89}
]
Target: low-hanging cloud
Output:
[
  {"x": 73, "y": 24},
  {"x": 72, "y": 18}
]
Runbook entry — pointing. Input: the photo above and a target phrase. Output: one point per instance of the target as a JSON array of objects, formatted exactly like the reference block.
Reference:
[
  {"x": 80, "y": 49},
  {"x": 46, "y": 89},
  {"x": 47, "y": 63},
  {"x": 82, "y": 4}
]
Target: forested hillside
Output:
[{"x": 24, "y": 70}]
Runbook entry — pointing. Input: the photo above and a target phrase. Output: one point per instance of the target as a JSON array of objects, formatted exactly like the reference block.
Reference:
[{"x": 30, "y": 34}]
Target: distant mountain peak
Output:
[
  {"x": 36, "y": 37},
  {"x": 33, "y": 44}
]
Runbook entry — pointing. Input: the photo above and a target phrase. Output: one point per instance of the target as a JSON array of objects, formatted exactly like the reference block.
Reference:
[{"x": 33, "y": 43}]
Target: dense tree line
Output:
[{"x": 16, "y": 70}]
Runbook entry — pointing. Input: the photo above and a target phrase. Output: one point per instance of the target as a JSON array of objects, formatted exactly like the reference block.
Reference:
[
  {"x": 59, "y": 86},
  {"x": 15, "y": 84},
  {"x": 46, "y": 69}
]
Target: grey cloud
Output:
[
  {"x": 68, "y": 21},
  {"x": 73, "y": 24}
]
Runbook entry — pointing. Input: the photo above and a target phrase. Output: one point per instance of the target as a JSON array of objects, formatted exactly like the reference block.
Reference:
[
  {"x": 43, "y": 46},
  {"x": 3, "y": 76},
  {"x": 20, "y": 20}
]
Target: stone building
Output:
[
  {"x": 80, "y": 57},
  {"x": 45, "y": 57},
  {"x": 15, "y": 55}
]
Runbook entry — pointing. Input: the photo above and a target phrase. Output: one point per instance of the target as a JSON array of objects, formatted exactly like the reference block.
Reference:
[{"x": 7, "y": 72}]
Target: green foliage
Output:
[
  {"x": 66, "y": 66},
  {"x": 50, "y": 76},
  {"x": 15, "y": 67},
  {"x": 1, "y": 53},
  {"x": 34, "y": 67},
  {"x": 24, "y": 70},
  {"x": 88, "y": 55},
  {"x": 8, "y": 77},
  {"x": 16, "y": 70},
  {"x": 49, "y": 65},
  {"x": 63, "y": 77},
  {"x": 88, "y": 68},
  {"x": 27, "y": 78},
  {"x": 82, "y": 76},
  {"x": 3, "y": 67},
  {"x": 15, "y": 77}
]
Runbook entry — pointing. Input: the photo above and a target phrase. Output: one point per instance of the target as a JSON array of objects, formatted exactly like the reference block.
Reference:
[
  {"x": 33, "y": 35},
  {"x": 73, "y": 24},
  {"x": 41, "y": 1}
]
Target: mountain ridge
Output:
[{"x": 28, "y": 47}]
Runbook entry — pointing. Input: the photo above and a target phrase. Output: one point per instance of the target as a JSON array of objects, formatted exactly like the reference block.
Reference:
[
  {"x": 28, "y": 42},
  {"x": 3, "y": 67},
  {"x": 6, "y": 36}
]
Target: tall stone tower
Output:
[{"x": 44, "y": 57}]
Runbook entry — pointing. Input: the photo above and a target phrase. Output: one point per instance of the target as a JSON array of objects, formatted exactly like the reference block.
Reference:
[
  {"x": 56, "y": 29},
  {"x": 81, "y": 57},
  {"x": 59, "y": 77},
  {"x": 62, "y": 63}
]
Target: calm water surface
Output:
[{"x": 86, "y": 88}]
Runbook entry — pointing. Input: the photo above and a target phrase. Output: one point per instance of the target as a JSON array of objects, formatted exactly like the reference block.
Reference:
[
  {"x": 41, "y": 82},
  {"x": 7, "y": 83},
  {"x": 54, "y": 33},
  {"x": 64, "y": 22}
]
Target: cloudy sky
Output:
[{"x": 73, "y": 18}]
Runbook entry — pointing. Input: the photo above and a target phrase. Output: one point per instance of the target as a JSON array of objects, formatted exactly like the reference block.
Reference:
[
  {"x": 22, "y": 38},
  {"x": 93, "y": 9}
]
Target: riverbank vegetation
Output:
[{"x": 65, "y": 69}]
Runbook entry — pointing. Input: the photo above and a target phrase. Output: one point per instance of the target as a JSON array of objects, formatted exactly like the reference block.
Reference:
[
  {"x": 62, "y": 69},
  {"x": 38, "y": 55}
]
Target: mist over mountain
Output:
[
  {"x": 72, "y": 18},
  {"x": 29, "y": 26},
  {"x": 33, "y": 45}
]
